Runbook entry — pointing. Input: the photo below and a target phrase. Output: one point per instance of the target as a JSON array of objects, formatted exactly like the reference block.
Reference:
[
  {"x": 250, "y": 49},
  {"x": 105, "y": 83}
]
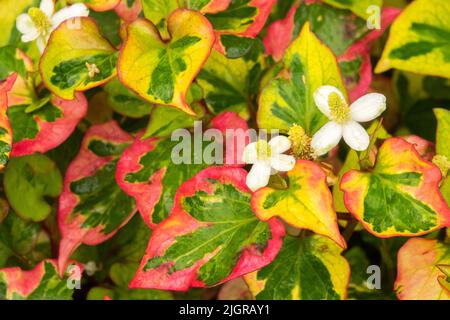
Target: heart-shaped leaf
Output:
[
  {"x": 418, "y": 270},
  {"x": 41, "y": 283},
  {"x": 400, "y": 196},
  {"x": 211, "y": 236},
  {"x": 162, "y": 72},
  {"x": 418, "y": 41},
  {"x": 310, "y": 268},
  {"x": 306, "y": 203},
  {"x": 92, "y": 207},
  {"x": 5, "y": 126},
  {"x": 77, "y": 58},
  {"x": 288, "y": 100},
  {"x": 35, "y": 176}
]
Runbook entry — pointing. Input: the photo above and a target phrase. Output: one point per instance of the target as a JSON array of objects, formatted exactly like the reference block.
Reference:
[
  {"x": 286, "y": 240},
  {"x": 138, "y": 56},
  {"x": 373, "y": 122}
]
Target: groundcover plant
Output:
[{"x": 225, "y": 149}]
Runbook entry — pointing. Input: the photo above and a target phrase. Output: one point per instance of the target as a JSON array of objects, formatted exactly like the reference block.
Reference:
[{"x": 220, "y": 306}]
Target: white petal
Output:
[
  {"x": 321, "y": 98},
  {"x": 41, "y": 44},
  {"x": 279, "y": 144},
  {"x": 282, "y": 162},
  {"x": 258, "y": 176},
  {"x": 75, "y": 10},
  {"x": 24, "y": 24},
  {"x": 47, "y": 6},
  {"x": 356, "y": 136},
  {"x": 368, "y": 107},
  {"x": 326, "y": 138},
  {"x": 30, "y": 36},
  {"x": 250, "y": 154}
]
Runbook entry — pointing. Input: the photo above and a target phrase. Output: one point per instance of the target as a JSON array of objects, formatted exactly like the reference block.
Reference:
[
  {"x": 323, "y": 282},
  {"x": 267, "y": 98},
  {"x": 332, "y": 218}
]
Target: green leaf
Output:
[
  {"x": 11, "y": 62},
  {"x": 338, "y": 29},
  {"x": 235, "y": 46},
  {"x": 121, "y": 274},
  {"x": 22, "y": 243},
  {"x": 309, "y": 268},
  {"x": 36, "y": 177},
  {"x": 288, "y": 99},
  {"x": 226, "y": 84},
  {"x": 125, "y": 102},
  {"x": 418, "y": 41}
]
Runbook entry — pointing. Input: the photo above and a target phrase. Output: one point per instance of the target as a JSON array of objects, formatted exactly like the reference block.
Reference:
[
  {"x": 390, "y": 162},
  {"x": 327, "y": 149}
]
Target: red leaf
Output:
[
  {"x": 279, "y": 35},
  {"x": 129, "y": 14},
  {"x": 237, "y": 138},
  {"x": 52, "y": 134},
  {"x": 84, "y": 165},
  {"x": 180, "y": 223},
  {"x": 147, "y": 194}
]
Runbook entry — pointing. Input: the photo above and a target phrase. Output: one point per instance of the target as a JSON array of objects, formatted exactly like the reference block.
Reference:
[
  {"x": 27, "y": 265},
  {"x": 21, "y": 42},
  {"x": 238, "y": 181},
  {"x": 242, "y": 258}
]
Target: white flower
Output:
[
  {"x": 267, "y": 159},
  {"x": 344, "y": 119},
  {"x": 38, "y": 23}
]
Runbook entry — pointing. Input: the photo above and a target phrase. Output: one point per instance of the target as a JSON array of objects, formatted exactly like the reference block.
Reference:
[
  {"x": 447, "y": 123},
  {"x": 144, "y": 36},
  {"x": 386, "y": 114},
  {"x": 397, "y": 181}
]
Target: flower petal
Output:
[
  {"x": 282, "y": 162},
  {"x": 30, "y": 36},
  {"x": 356, "y": 136},
  {"x": 250, "y": 154},
  {"x": 48, "y": 7},
  {"x": 321, "y": 98},
  {"x": 258, "y": 176},
  {"x": 24, "y": 24},
  {"x": 279, "y": 144},
  {"x": 75, "y": 10},
  {"x": 326, "y": 138},
  {"x": 368, "y": 107}
]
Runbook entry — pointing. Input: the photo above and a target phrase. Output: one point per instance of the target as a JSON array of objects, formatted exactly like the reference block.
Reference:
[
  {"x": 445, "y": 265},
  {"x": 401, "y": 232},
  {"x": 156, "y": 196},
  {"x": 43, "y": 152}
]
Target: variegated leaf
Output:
[
  {"x": 210, "y": 237},
  {"x": 309, "y": 268},
  {"x": 162, "y": 72},
  {"x": 77, "y": 58},
  {"x": 41, "y": 283},
  {"x": 92, "y": 207},
  {"x": 306, "y": 203},
  {"x": 418, "y": 41},
  {"x": 400, "y": 196}
]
